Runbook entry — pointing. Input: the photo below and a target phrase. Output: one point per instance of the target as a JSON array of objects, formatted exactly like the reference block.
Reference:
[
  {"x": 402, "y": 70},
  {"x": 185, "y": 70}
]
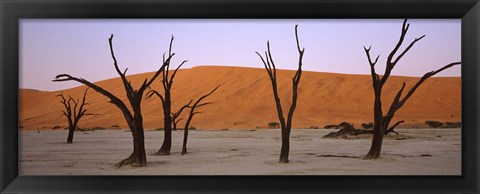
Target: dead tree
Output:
[
  {"x": 167, "y": 83},
  {"x": 73, "y": 114},
  {"x": 197, "y": 104},
  {"x": 381, "y": 120},
  {"x": 272, "y": 74},
  {"x": 133, "y": 117},
  {"x": 347, "y": 129},
  {"x": 392, "y": 128},
  {"x": 176, "y": 114}
]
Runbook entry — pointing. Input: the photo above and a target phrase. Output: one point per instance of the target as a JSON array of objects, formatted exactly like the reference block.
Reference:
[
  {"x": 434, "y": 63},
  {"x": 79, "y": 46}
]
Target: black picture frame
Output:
[{"x": 11, "y": 11}]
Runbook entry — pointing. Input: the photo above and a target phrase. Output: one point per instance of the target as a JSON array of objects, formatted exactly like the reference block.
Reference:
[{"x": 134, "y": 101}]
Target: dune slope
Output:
[{"x": 245, "y": 100}]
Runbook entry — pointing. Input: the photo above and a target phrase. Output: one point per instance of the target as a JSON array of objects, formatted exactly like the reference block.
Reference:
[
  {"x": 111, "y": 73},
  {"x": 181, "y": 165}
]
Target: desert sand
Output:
[
  {"x": 245, "y": 100},
  {"x": 241, "y": 152}
]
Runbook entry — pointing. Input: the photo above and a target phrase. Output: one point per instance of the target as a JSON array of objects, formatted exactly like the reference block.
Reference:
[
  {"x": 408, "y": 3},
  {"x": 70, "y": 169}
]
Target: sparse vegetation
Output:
[
  {"x": 434, "y": 124},
  {"x": 331, "y": 127},
  {"x": 452, "y": 125},
  {"x": 349, "y": 129},
  {"x": 57, "y": 127},
  {"x": 367, "y": 125},
  {"x": 438, "y": 124},
  {"x": 274, "y": 125},
  {"x": 90, "y": 129},
  {"x": 96, "y": 128}
]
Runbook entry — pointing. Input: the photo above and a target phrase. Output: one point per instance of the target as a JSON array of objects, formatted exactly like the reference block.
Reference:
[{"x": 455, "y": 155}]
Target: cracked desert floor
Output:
[{"x": 241, "y": 152}]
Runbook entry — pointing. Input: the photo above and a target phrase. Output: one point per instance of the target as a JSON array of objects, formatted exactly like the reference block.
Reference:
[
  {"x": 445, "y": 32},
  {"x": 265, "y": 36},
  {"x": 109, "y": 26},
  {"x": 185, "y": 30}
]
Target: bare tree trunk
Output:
[
  {"x": 378, "y": 132},
  {"x": 286, "y": 126},
  {"x": 70, "y": 134},
  {"x": 73, "y": 114},
  {"x": 285, "y": 146},
  {"x": 138, "y": 157},
  {"x": 185, "y": 138},
  {"x": 187, "y": 125},
  {"x": 135, "y": 96},
  {"x": 174, "y": 125},
  {"x": 167, "y": 83},
  {"x": 139, "y": 144},
  {"x": 167, "y": 143},
  {"x": 71, "y": 128},
  {"x": 190, "y": 117},
  {"x": 376, "y": 146},
  {"x": 167, "y": 126},
  {"x": 382, "y": 121}
]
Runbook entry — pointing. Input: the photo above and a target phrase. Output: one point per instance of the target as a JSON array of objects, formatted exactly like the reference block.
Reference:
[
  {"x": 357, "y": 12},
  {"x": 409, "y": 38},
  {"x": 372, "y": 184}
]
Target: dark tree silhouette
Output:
[
  {"x": 272, "y": 74},
  {"x": 167, "y": 83},
  {"x": 195, "y": 105},
  {"x": 392, "y": 128},
  {"x": 381, "y": 121},
  {"x": 174, "y": 115},
  {"x": 73, "y": 114},
  {"x": 133, "y": 117},
  {"x": 177, "y": 113}
]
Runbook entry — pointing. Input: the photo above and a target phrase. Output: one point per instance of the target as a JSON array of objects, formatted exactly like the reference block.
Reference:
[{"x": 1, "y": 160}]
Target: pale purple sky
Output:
[{"x": 80, "y": 47}]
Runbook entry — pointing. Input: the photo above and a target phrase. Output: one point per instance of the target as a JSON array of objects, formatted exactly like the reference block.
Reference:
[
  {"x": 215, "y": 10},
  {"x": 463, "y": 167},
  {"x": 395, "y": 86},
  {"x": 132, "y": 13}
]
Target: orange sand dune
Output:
[{"x": 245, "y": 100}]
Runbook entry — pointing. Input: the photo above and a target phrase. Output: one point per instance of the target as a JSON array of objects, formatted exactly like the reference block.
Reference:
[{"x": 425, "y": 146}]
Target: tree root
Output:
[
  {"x": 391, "y": 131},
  {"x": 161, "y": 153},
  {"x": 283, "y": 160},
  {"x": 130, "y": 160},
  {"x": 370, "y": 156}
]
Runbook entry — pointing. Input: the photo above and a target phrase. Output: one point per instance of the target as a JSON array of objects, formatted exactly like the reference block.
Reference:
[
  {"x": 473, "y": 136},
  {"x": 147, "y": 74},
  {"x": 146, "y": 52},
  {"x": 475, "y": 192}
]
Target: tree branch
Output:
[
  {"x": 170, "y": 83},
  {"x": 267, "y": 68},
  {"x": 176, "y": 122},
  {"x": 270, "y": 58},
  {"x": 160, "y": 70},
  {"x": 390, "y": 64},
  {"x": 425, "y": 77},
  {"x": 395, "y": 103},
  {"x": 295, "y": 81},
  {"x": 405, "y": 27},
  {"x": 271, "y": 70},
  {"x": 126, "y": 84},
  {"x": 150, "y": 93},
  {"x": 407, "y": 49},
  {"x": 176, "y": 114},
  {"x": 375, "y": 77},
  {"x": 113, "y": 99},
  {"x": 392, "y": 128}
]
